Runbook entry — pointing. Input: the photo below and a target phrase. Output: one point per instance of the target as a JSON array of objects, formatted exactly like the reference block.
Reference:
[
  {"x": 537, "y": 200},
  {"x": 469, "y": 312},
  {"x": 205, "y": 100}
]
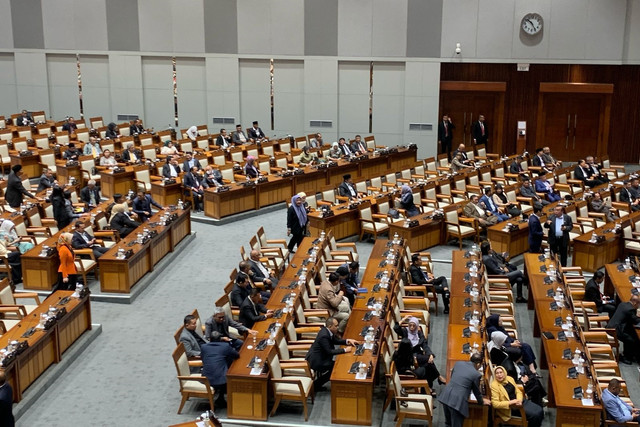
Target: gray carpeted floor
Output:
[{"x": 127, "y": 377}]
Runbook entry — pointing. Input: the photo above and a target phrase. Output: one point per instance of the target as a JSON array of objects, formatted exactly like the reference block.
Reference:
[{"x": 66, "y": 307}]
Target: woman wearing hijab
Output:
[
  {"x": 112, "y": 131},
  {"x": 334, "y": 153},
  {"x": 406, "y": 202},
  {"x": 507, "y": 399},
  {"x": 514, "y": 348},
  {"x": 168, "y": 148},
  {"x": 67, "y": 273},
  {"x": 10, "y": 237},
  {"x": 120, "y": 221},
  {"x": 296, "y": 222},
  {"x": 423, "y": 354},
  {"x": 249, "y": 168}
]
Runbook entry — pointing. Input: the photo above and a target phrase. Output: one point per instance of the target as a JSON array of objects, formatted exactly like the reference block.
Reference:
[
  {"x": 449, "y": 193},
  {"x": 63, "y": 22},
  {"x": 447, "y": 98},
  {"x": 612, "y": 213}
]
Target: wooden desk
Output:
[
  {"x": 30, "y": 164},
  {"x": 344, "y": 222},
  {"x": 120, "y": 275},
  {"x": 427, "y": 234},
  {"x": 64, "y": 173},
  {"x": 238, "y": 199},
  {"x": 112, "y": 183},
  {"x": 167, "y": 194},
  {"x": 310, "y": 182},
  {"x": 591, "y": 256},
  {"x": 514, "y": 242},
  {"x": 275, "y": 190},
  {"x": 569, "y": 411},
  {"x": 45, "y": 347}
]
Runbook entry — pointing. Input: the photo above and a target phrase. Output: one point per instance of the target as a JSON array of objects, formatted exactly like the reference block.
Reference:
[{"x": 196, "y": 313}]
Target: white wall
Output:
[
  {"x": 421, "y": 104},
  {"x": 62, "y": 76},
  {"x": 125, "y": 85},
  {"x": 353, "y": 98},
  {"x": 157, "y": 89},
  {"x": 255, "y": 97},
  {"x": 388, "y": 102},
  {"x": 288, "y": 96},
  {"x": 8, "y": 88},
  {"x": 192, "y": 92},
  {"x": 96, "y": 99},
  {"x": 223, "y": 91},
  {"x": 321, "y": 95},
  {"x": 31, "y": 81}
]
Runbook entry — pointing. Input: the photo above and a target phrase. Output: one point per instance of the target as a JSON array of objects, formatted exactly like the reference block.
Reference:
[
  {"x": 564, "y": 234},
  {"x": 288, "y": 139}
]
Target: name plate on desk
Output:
[
  {"x": 572, "y": 373},
  {"x": 466, "y": 333},
  {"x": 466, "y": 348},
  {"x": 566, "y": 354}
]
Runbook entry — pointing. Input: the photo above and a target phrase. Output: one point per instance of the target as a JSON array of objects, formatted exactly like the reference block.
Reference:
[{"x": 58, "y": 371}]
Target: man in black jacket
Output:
[
  {"x": 445, "y": 134},
  {"x": 241, "y": 290},
  {"x": 323, "y": 350},
  {"x": 6, "y": 402},
  {"x": 625, "y": 321},
  {"x": 90, "y": 194},
  {"x": 420, "y": 277},
  {"x": 347, "y": 189},
  {"x": 592, "y": 293},
  {"x": 497, "y": 265},
  {"x": 480, "y": 131},
  {"x": 142, "y": 205},
  {"x": 252, "y": 310},
  {"x": 220, "y": 322},
  {"x": 14, "y": 192},
  {"x": 46, "y": 180},
  {"x": 559, "y": 225},
  {"x": 628, "y": 195},
  {"x": 83, "y": 240}
]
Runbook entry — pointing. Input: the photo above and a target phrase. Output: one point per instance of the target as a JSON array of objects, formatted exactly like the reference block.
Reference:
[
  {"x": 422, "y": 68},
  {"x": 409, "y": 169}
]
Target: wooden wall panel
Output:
[{"x": 522, "y": 98}]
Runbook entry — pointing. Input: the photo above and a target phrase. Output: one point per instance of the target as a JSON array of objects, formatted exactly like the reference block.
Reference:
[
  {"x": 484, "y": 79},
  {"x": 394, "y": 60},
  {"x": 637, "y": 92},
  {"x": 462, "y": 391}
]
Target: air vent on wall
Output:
[
  {"x": 320, "y": 123},
  {"x": 420, "y": 126},
  {"x": 127, "y": 117},
  {"x": 224, "y": 120}
]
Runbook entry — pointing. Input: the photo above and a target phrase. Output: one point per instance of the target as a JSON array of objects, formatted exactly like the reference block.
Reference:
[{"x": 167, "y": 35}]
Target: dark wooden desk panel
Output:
[
  {"x": 112, "y": 183},
  {"x": 311, "y": 182},
  {"x": 64, "y": 174},
  {"x": 335, "y": 174},
  {"x": 166, "y": 194},
  {"x": 30, "y": 164},
  {"x": 405, "y": 158},
  {"x": 427, "y": 234},
  {"x": 237, "y": 199},
  {"x": 344, "y": 223},
  {"x": 275, "y": 190},
  {"x": 514, "y": 242},
  {"x": 375, "y": 166}
]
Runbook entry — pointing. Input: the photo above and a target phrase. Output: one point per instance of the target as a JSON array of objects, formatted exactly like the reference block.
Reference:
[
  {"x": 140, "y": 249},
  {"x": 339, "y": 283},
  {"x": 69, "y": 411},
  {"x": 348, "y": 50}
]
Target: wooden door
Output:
[
  {"x": 573, "y": 119},
  {"x": 465, "y": 101}
]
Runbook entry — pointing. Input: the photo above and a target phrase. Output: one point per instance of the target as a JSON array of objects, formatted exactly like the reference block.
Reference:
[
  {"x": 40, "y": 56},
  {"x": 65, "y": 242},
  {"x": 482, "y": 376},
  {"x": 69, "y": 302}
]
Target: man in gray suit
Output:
[
  {"x": 221, "y": 323},
  {"x": 191, "y": 337},
  {"x": 465, "y": 378}
]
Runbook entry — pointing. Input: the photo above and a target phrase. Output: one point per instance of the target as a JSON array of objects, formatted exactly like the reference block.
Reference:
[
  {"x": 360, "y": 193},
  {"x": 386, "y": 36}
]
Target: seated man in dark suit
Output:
[
  {"x": 593, "y": 293},
  {"x": 528, "y": 191},
  {"x": 136, "y": 127},
  {"x": 171, "y": 169},
  {"x": 628, "y": 195},
  {"x": 217, "y": 357},
  {"x": 420, "y": 277},
  {"x": 71, "y": 153},
  {"x": 241, "y": 290},
  {"x": 131, "y": 155},
  {"x": 90, "y": 194},
  {"x": 252, "y": 310},
  {"x": 193, "y": 181},
  {"x": 347, "y": 189},
  {"x": 25, "y": 119},
  {"x": 256, "y": 133},
  {"x": 585, "y": 174},
  {"x": 70, "y": 126},
  {"x": 191, "y": 337},
  {"x": 539, "y": 161},
  {"x": 323, "y": 351},
  {"x": 142, "y": 205},
  {"x": 515, "y": 167},
  {"x": 219, "y": 322},
  {"x": 190, "y": 162},
  {"x": 260, "y": 272},
  {"x": 497, "y": 265},
  {"x": 223, "y": 140},
  {"x": 83, "y": 240},
  {"x": 212, "y": 177},
  {"x": 358, "y": 146},
  {"x": 625, "y": 321},
  {"x": 46, "y": 180},
  {"x": 6, "y": 402}
]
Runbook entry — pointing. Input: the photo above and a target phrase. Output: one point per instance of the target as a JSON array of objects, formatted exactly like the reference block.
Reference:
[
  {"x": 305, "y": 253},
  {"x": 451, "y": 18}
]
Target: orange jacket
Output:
[{"x": 67, "y": 265}]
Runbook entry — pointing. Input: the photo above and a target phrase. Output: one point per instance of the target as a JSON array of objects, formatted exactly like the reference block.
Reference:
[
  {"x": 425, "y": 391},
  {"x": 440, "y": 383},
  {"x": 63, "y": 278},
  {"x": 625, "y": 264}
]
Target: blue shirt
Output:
[
  {"x": 559, "y": 224},
  {"x": 616, "y": 408}
]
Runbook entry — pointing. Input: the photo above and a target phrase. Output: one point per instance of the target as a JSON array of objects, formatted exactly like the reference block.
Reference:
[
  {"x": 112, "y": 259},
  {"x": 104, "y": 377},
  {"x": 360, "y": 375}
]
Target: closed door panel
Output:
[
  {"x": 556, "y": 125},
  {"x": 586, "y": 126}
]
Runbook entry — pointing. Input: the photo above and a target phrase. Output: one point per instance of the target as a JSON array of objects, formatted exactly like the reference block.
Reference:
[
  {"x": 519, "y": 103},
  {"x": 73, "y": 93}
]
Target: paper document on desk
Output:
[
  {"x": 361, "y": 376},
  {"x": 256, "y": 371},
  {"x": 587, "y": 402}
]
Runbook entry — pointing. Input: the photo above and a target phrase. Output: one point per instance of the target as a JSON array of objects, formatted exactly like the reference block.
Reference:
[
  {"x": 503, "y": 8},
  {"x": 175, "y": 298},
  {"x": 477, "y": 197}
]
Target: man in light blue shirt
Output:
[
  {"x": 491, "y": 206},
  {"x": 616, "y": 408}
]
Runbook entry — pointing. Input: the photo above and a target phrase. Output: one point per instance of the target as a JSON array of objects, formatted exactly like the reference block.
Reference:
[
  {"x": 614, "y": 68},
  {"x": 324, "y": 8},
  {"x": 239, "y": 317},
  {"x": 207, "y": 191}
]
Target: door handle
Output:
[
  {"x": 575, "y": 126},
  {"x": 566, "y": 142}
]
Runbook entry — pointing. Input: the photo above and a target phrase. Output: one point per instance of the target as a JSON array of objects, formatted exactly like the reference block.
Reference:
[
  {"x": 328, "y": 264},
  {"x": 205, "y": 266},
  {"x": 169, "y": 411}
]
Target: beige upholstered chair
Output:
[{"x": 191, "y": 385}]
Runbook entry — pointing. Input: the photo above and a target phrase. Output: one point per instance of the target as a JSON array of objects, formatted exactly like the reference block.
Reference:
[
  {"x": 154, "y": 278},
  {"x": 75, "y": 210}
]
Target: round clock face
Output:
[{"x": 532, "y": 23}]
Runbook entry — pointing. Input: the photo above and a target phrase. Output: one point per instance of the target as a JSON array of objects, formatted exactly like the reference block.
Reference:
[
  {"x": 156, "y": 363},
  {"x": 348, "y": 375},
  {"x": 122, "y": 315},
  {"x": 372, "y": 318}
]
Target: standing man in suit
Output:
[
  {"x": 593, "y": 293},
  {"x": 445, "y": 134},
  {"x": 252, "y": 310},
  {"x": 6, "y": 402},
  {"x": 25, "y": 119},
  {"x": 465, "y": 379},
  {"x": 535, "y": 229},
  {"x": 217, "y": 357},
  {"x": 260, "y": 272},
  {"x": 256, "y": 133},
  {"x": 559, "y": 225},
  {"x": 347, "y": 189},
  {"x": 323, "y": 351},
  {"x": 223, "y": 140},
  {"x": 15, "y": 190},
  {"x": 142, "y": 205},
  {"x": 624, "y": 321},
  {"x": 480, "y": 132},
  {"x": 191, "y": 337}
]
